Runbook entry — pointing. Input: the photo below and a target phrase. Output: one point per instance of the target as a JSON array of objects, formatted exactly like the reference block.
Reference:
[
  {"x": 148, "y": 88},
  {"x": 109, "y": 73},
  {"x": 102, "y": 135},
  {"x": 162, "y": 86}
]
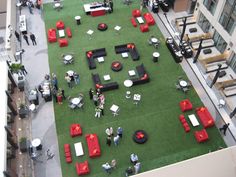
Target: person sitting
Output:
[
  {"x": 137, "y": 168},
  {"x": 107, "y": 167},
  {"x": 129, "y": 171},
  {"x": 133, "y": 158}
]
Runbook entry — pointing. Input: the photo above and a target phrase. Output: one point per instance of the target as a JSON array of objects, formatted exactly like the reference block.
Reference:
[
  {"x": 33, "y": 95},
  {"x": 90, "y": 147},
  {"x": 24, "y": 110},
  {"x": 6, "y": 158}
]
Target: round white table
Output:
[
  {"x": 154, "y": 40},
  {"x": 32, "y": 107},
  {"x": 36, "y": 142},
  {"x": 128, "y": 83},
  {"x": 57, "y": 5},
  {"x": 156, "y": 54},
  {"x": 70, "y": 73},
  {"x": 183, "y": 83},
  {"x": 68, "y": 57},
  {"x": 18, "y": 4},
  {"x": 75, "y": 101}
]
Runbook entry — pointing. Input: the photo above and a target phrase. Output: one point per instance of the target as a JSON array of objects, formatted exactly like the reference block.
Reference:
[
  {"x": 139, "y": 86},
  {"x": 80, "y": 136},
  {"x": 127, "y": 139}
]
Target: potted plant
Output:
[
  {"x": 23, "y": 144},
  {"x": 15, "y": 67},
  {"x": 23, "y": 111}
]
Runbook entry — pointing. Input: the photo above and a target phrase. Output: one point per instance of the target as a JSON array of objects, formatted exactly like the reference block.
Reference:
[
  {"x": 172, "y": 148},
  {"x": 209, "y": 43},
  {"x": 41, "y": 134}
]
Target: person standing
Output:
[
  {"x": 17, "y": 36},
  {"x": 116, "y": 140},
  {"x": 54, "y": 81},
  {"x": 33, "y": 38},
  {"x": 29, "y": 5},
  {"x": 76, "y": 78},
  {"x": 68, "y": 80},
  {"x": 111, "y": 5},
  {"x": 137, "y": 168},
  {"x": 224, "y": 128},
  {"x": 91, "y": 93},
  {"x": 26, "y": 38},
  {"x": 119, "y": 132},
  {"x": 101, "y": 106},
  {"x": 107, "y": 167},
  {"x": 97, "y": 112},
  {"x": 108, "y": 140},
  {"x": 109, "y": 131},
  {"x": 95, "y": 99}
]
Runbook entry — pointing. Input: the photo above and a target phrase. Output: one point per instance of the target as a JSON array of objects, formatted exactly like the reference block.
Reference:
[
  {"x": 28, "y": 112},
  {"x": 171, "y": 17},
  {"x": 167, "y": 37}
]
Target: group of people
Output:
[
  {"x": 31, "y": 4},
  {"x": 73, "y": 78},
  {"x": 135, "y": 169},
  {"x": 31, "y": 35},
  {"x": 110, "y": 134},
  {"x": 109, "y": 167},
  {"x": 99, "y": 102}
]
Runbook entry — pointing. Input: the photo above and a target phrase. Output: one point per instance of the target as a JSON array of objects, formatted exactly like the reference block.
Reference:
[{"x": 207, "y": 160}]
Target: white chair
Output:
[
  {"x": 115, "y": 109},
  {"x": 137, "y": 98},
  {"x": 221, "y": 103}
]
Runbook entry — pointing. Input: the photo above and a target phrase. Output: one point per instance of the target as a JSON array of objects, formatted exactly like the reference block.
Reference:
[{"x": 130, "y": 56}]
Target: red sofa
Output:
[
  {"x": 68, "y": 32},
  {"x": 205, "y": 117},
  {"x": 52, "y": 35},
  {"x": 184, "y": 123},
  {"x": 185, "y": 105},
  {"x": 75, "y": 130},
  {"x": 93, "y": 145},
  {"x": 144, "y": 28},
  {"x": 98, "y": 13},
  {"x": 149, "y": 19},
  {"x": 136, "y": 13},
  {"x": 82, "y": 168},
  {"x": 60, "y": 25},
  {"x": 63, "y": 42},
  {"x": 67, "y": 152},
  {"x": 201, "y": 135},
  {"x": 133, "y": 22}
]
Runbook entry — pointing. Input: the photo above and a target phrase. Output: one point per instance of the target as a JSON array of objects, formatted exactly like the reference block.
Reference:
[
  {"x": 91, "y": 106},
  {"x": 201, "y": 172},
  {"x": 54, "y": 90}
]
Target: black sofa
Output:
[
  {"x": 93, "y": 54},
  {"x": 103, "y": 87},
  {"x": 128, "y": 48},
  {"x": 174, "y": 49},
  {"x": 143, "y": 76}
]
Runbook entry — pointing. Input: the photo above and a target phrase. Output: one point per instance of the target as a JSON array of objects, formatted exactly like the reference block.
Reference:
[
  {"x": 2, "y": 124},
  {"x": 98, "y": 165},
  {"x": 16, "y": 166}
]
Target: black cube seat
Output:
[
  {"x": 192, "y": 30},
  {"x": 207, "y": 51},
  {"x": 222, "y": 74}
]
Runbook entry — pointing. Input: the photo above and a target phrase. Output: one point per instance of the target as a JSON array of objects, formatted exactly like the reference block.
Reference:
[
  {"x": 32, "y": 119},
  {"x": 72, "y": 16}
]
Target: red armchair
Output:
[
  {"x": 67, "y": 152},
  {"x": 205, "y": 117},
  {"x": 144, "y": 28},
  {"x": 149, "y": 19},
  {"x": 93, "y": 145},
  {"x": 133, "y": 22},
  {"x": 136, "y": 13},
  {"x": 201, "y": 135},
  {"x": 52, "y": 36},
  {"x": 75, "y": 130},
  {"x": 63, "y": 42},
  {"x": 60, "y": 25},
  {"x": 82, "y": 168},
  {"x": 68, "y": 32},
  {"x": 185, "y": 105}
]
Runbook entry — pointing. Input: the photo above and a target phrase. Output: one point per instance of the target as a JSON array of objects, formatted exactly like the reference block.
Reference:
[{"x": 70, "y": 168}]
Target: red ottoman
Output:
[
  {"x": 67, "y": 152},
  {"x": 185, "y": 105},
  {"x": 63, "y": 42},
  {"x": 133, "y": 22},
  {"x": 82, "y": 168},
  {"x": 205, "y": 117},
  {"x": 201, "y": 135},
  {"x": 136, "y": 13},
  {"x": 144, "y": 28},
  {"x": 149, "y": 19},
  {"x": 52, "y": 36},
  {"x": 60, "y": 25},
  {"x": 75, "y": 130},
  {"x": 68, "y": 32}
]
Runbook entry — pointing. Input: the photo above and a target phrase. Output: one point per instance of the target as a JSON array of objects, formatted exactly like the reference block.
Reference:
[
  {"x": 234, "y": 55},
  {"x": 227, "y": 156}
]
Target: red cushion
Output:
[
  {"x": 185, "y": 105},
  {"x": 67, "y": 153},
  {"x": 144, "y": 28},
  {"x": 82, "y": 168},
  {"x": 136, "y": 13},
  {"x": 68, "y": 32},
  {"x": 75, "y": 130},
  {"x": 60, "y": 25}
]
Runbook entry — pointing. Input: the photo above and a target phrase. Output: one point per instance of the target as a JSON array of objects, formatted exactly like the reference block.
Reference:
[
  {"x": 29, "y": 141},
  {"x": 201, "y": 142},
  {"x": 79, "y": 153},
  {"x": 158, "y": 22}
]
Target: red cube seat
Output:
[
  {"x": 82, "y": 168},
  {"x": 201, "y": 135},
  {"x": 149, "y": 19},
  {"x": 67, "y": 152},
  {"x": 68, "y": 32},
  {"x": 75, "y": 130},
  {"x": 60, "y": 25},
  {"x": 63, "y": 42},
  {"x": 144, "y": 28},
  {"x": 52, "y": 36},
  {"x": 136, "y": 13},
  {"x": 185, "y": 105}
]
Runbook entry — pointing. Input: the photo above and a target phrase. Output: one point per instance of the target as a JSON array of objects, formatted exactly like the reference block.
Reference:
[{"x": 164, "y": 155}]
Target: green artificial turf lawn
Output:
[{"x": 157, "y": 112}]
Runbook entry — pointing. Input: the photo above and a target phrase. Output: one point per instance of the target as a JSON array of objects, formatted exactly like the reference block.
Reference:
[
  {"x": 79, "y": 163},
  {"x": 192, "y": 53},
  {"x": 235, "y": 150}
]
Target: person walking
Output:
[
  {"x": 33, "y": 38},
  {"x": 116, "y": 140},
  {"x": 119, "y": 132},
  {"x": 97, "y": 112},
  {"x": 17, "y": 36},
  {"x": 26, "y": 38},
  {"x": 68, "y": 80},
  {"x": 91, "y": 93},
  {"x": 224, "y": 128},
  {"x": 29, "y": 5},
  {"x": 54, "y": 81},
  {"x": 108, "y": 140}
]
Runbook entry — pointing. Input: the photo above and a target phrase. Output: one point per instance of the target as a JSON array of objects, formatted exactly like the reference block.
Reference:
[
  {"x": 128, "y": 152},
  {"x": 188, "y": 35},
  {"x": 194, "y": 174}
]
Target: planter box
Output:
[{"x": 23, "y": 112}]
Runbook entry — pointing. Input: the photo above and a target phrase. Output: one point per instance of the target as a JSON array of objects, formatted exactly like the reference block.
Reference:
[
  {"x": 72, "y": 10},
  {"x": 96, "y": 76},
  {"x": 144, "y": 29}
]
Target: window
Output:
[
  {"x": 232, "y": 62},
  {"x": 219, "y": 42},
  {"x": 228, "y": 16},
  {"x": 211, "y": 5},
  {"x": 204, "y": 23}
]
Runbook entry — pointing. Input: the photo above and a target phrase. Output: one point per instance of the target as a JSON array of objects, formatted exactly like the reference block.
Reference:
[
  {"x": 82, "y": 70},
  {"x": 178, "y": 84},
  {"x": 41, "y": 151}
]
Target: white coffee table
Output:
[
  {"x": 140, "y": 20},
  {"x": 117, "y": 28},
  {"x": 128, "y": 83},
  {"x": 61, "y": 33},
  {"x": 193, "y": 120},
  {"x": 131, "y": 73},
  {"x": 107, "y": 77},
  {"x": 124, "y": 55},
  {"x": 156, "y": 54},
  {"x": 154, "y": 40},
  {"x": 36, "y": 142},
  {"x": 114, "y": 108},
  {"x": 79, "y": 149},
  {"x": 75, "y": 101},
  {"x": 100, "y": 59},
  {"x": 68, "y": 57}
]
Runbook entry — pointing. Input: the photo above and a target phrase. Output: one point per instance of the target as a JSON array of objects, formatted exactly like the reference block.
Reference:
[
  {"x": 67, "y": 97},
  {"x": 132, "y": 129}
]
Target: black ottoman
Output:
[
  {"x": 102, "y": 27},
  {"x": 207, "y": 51},
  {"x": 192, "y": 30},
  {"x": 116, "y": 66}
]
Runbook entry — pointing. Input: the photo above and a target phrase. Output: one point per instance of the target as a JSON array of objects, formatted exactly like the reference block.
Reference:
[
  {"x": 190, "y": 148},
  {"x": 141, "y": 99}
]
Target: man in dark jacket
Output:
[
  {"x": 33, "y": 38},
  {"x": 26, "y": 38}
]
